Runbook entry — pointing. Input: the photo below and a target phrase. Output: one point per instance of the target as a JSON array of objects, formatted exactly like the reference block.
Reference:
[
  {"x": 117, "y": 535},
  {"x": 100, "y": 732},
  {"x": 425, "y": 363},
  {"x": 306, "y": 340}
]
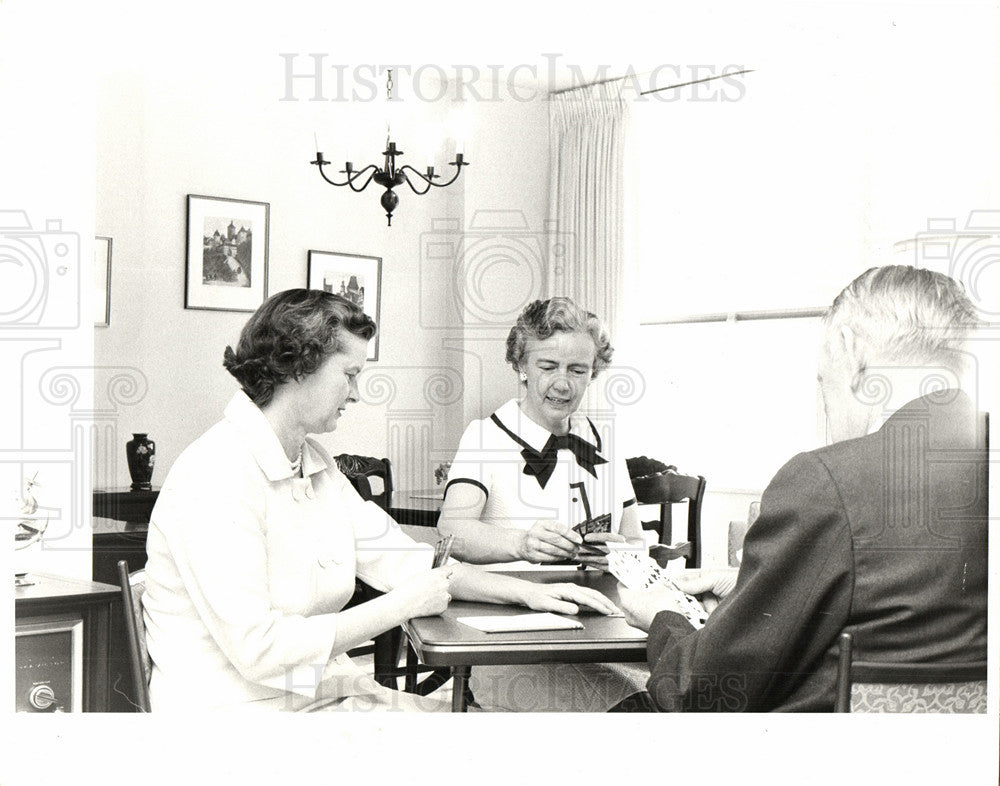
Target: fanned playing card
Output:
[
  {"x": 640, "y": 571},
  {"x": 600, "y": 524},
  {"x": 442, "y": 550}
]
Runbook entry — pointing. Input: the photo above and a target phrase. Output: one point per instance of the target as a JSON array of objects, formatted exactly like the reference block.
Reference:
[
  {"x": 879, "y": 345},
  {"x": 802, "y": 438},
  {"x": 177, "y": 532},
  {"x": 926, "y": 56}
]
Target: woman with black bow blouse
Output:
[
  {"x": 524, "y": 477},
  {"x": 536, "y": 483}
]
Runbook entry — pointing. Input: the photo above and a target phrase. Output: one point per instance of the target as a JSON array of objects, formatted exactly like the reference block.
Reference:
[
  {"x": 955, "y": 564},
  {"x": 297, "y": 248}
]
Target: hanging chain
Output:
[{"x": 388, "y": 105}]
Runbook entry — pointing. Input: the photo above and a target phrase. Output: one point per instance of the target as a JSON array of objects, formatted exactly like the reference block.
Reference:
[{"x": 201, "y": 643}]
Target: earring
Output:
[{"x": 524, "y": 377}]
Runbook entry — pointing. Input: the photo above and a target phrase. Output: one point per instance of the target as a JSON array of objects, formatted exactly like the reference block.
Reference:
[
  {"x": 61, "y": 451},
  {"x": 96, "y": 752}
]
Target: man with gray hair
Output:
[{"x": 881, "y": 534}]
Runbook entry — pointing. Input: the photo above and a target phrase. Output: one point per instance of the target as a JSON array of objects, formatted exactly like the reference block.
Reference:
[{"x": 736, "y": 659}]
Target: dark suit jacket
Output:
[{"x": 883, "y": 536}]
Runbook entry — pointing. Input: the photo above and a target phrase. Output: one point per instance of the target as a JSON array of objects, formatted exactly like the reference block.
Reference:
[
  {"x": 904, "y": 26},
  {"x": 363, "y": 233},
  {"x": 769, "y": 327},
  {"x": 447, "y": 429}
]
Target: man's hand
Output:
[
  {"x": 641, "y": 605},
  {"x": 548, "y": 541},
  {"x": 709, "y": 584}
]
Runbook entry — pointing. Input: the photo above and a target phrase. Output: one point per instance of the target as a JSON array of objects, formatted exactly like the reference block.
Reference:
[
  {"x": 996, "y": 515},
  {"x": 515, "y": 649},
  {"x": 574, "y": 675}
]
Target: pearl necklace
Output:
[{"x": 297, "y": 464}]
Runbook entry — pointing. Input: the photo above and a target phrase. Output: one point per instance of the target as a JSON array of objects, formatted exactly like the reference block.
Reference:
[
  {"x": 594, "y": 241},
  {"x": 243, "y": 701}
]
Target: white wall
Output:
[
  {"x": 507, "y": 245},
  {"x": 46, "y": 247},
  {"x": 164, "y": 133}
]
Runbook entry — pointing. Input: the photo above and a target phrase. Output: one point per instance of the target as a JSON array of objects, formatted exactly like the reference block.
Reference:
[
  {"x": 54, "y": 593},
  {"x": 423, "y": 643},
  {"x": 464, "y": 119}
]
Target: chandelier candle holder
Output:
[{"x": 389, "y": 176}]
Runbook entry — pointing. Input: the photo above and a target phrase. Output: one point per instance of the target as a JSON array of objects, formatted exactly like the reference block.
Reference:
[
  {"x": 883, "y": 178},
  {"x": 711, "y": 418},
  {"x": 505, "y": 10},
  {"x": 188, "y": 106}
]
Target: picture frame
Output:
[
  {"x": 356, "y": 277},
  {"x": 227, "y": 243},
  {"x": 102, "y": 281}
]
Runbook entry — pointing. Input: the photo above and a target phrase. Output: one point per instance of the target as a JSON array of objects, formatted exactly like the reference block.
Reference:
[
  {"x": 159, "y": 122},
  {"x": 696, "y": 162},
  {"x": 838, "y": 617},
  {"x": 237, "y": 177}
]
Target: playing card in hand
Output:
[
  {"x": 442, "y": 550},
  {"x": 639, "y": 571},
  {"x": 600, "y": 524}
]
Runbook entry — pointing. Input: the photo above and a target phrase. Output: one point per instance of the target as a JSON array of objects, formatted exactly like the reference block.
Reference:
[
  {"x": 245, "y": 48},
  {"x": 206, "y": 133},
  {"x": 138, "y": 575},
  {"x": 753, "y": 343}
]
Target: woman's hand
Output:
[
  {"x": 548, "y": 541},
  {"x": 425, "y": 594},
  {"x": 566, "y": 599},
  {"x": 596, "y": 541}
]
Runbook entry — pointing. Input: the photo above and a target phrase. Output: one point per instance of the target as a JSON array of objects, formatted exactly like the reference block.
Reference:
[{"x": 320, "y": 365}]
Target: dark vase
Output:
[{"x": 141, "y": 454}]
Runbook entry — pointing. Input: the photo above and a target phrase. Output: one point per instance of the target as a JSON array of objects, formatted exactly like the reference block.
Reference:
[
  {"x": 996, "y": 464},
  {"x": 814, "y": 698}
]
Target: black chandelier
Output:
[{"x": 389, "y": 176}]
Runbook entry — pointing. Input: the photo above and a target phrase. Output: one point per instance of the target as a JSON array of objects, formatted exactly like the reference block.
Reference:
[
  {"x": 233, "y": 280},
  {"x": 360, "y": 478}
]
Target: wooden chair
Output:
[
  {"x": 865, "y": 686},
  {"x": 387, "y": 648},
  {"x": 372, "y": 477},
  {"x": 667, "y": 489},
  {"x": 133, "y": 586}
]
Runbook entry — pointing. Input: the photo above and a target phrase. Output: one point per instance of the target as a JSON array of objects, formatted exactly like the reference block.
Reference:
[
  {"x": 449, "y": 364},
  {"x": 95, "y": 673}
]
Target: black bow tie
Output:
[{"x": 541, "y": 465}]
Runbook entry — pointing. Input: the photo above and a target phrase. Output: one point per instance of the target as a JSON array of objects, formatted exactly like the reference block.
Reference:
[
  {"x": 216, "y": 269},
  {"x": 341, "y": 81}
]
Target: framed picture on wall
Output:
[
  {"x": 226, "y": 254},
  {"x": 102, "y": 281},
  {"x": 355, "y": 277}
]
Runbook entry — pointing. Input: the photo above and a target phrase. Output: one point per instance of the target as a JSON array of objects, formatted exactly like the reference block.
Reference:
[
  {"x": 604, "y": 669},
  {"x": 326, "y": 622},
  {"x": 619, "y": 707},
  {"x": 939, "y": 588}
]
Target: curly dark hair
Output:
[
  {"x": 541, "y": 318},
  {"x": 289, "y": 336}
]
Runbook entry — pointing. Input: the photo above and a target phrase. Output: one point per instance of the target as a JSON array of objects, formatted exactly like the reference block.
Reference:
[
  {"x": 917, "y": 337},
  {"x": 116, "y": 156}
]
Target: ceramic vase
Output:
[{"x": 141, "y": 454}]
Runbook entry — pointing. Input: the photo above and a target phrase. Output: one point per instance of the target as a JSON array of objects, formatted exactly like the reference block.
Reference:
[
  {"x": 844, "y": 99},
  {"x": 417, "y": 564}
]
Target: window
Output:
[{"x": 767, "y": 206}]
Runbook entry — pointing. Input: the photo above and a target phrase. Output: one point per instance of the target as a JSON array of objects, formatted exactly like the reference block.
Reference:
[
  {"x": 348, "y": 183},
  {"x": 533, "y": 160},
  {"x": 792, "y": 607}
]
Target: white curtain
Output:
[
  {"x": 588, "y": 127},
  {"x": 592, "y": 260}
]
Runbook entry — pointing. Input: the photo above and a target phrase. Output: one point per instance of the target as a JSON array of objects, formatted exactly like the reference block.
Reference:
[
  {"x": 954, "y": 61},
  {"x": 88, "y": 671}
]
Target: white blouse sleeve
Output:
[
  {"x": 385, "y": 555},
  {"x": 472, "y": 461}
]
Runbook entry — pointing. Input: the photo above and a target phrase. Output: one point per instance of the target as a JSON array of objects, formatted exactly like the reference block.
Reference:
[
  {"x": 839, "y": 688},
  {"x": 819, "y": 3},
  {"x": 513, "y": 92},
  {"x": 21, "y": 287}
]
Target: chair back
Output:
[
  {"x": 866, "y": 686},
  {"x": 669, "y": 488},
  {"x": 133, "y": 586},
  {"x": 372, "y": 477}
]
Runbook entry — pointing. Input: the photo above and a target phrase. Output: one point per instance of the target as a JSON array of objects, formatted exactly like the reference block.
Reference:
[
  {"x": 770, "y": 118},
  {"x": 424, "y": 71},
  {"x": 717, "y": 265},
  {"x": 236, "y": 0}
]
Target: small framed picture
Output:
[
  {"x": 102, "y": 281},
  {"x": 355, "y": 277},
  {"x": 226, "y": 254}
]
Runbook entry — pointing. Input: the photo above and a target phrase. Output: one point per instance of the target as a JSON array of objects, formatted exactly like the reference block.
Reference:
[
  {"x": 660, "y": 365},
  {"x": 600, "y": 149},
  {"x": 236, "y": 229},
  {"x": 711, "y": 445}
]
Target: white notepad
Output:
[{"x": 540, "y": 621}]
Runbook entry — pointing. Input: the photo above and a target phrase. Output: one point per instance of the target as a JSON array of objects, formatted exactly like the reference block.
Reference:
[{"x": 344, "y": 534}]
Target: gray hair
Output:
[
  {"x": 541, "y": 318},
  {"x": 908, "y": 315}
]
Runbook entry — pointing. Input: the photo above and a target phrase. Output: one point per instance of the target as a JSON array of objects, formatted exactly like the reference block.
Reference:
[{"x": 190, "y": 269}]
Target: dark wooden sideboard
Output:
[
  {"x": 120, "y": 525},
  {"x": 56, "y": 598},
  {"x": 125, "y": 504},
  {"x": 415, "y": 509}
]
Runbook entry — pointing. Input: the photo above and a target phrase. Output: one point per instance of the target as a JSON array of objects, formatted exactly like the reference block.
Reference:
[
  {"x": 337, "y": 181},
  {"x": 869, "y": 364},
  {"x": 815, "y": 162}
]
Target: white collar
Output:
[
  {"x": 513, "y": 418},
  {"x": 264, "y": 445}
]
